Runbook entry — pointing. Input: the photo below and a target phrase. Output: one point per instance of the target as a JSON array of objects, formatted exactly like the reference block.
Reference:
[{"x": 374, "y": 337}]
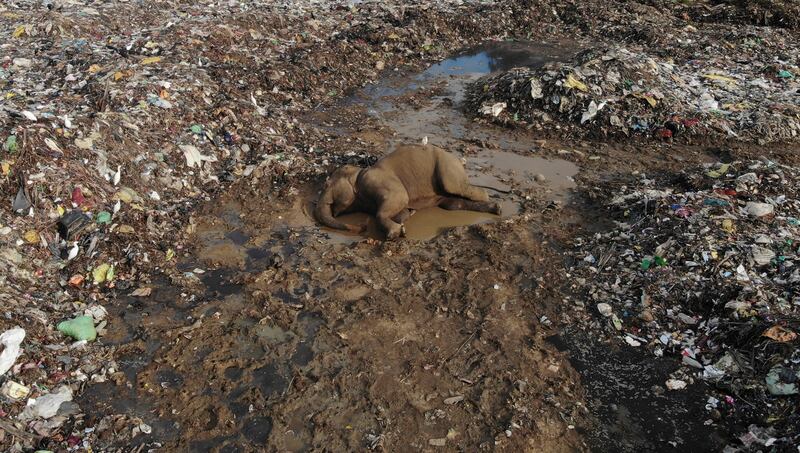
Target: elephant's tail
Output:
[{"x": 492, "y": 188}]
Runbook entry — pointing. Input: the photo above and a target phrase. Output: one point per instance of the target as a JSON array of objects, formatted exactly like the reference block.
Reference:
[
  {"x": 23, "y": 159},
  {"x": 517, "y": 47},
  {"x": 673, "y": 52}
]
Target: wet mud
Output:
[{"x": 280, "y": 335}]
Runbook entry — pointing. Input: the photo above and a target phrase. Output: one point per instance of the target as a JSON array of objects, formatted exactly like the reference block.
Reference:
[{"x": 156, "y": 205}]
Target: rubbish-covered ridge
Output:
[{"x": 702, "y": 266}]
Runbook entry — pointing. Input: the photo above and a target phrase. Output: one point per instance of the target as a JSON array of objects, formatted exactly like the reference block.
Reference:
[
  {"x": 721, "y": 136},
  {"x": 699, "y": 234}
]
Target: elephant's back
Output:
[
  {"x": 417, "y": 156},
  {"x": 415, "y": 166}
]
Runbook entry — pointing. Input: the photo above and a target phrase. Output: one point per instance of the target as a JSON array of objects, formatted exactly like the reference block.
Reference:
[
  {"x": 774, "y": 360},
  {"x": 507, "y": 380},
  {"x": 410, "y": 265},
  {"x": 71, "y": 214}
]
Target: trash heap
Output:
[
  {"x": 612, "y": 90},
  {"x": 704, "y": 267}
]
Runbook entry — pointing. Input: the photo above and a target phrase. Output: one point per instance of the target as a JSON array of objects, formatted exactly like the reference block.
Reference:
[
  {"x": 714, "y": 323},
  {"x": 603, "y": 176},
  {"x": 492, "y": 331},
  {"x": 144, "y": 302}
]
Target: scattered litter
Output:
[
  {"x": 46, "y": 406},
  {"x": 676, "y": 384},
  {"x": 79, "y": 328},
  {"x": 605, "y": 309},
  {"x": 782, "y": 381},
  {"x": 14, "y": 390},
  {"x": 10, "y": 340}
]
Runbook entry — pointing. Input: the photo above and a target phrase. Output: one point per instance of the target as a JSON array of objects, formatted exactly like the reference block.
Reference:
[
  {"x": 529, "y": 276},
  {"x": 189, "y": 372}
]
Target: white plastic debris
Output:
[
  {"x": 592, "y": 111},
  {"x": 46, "y": 406},
  {"x": 97, "y": 312},
  {"x": 747, "y": 178},
  {"x": 762, "y": 255},
  {"x": 604, "y": 309},
  {"x": 53, "y": 145},
  {"x": 741, "y": 274},
  {"x": 10, "y": 340},
  {"x": 631, "y": 341},
  {"x": 758, "y": 209},
  {"x": 707, "y": 102},
  {"x": 193, "y": 156},
  {"x": 676, "y": 384},
  {"x": 494, "y": 109},
  {"x": 536, "y": 89}
]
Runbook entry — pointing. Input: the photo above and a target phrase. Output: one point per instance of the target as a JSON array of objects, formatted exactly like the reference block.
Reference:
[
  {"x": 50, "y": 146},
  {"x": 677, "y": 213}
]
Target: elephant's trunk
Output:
[{"x": 324, "y": 214}]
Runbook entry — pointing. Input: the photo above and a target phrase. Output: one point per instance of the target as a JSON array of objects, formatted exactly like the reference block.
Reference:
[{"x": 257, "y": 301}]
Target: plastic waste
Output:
[
  {"x": 46, "y": 406},
  {"x": 102, "y": 273},
  {"x": 79, "y": 328},
  {"x": 10, "y": 340},
  {"x": 14, "y": 390},
  {"x": 782, "y": 381},
  {"x": 604, "y": 309},
  {"x": 22, "y": 201},
  {"x": 759, "y": 209},
  {"x": 71, "y": 224}
]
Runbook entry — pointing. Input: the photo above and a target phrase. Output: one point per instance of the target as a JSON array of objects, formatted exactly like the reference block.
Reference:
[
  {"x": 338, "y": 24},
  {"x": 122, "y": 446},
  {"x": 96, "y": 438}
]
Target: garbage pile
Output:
[
  {"x": 704, "y": 267},
  {"x": 614, "y": 91},
  {"x": 775, "y": 13}
]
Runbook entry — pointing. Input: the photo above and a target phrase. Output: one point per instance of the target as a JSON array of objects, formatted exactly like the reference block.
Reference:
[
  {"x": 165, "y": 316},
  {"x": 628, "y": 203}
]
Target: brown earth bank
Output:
[{"x": 232, "y": 322}]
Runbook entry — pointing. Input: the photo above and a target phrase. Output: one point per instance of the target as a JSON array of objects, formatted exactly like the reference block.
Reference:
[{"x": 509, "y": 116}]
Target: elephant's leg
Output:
[
  {"x": 403, "y": 216},
  {"x": 455, "y": 204},
  {"x": 390, "y": 208},
  {"x": 401, "y": 219},
  {"x": 454, "y": 179}
]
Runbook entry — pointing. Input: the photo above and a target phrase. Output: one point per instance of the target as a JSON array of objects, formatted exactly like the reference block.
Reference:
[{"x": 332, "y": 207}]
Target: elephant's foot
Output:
[
  {"x": 469, "y": 205},
  {"x": 356, "y": 228},
  {"x": 403, "y": 215},
  {"x": 394, "y": 230}
]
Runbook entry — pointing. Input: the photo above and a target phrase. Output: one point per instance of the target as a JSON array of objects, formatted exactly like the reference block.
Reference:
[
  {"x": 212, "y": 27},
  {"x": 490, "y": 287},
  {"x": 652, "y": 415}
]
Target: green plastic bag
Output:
[{"x": 80, "y": 328}]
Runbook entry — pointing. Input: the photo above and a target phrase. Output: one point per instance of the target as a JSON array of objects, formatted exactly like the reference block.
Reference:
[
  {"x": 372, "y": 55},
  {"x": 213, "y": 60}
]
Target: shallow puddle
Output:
[
  {"x": 440, "y": 119},
  {"x": 462, "y": 68},
  {"x": 501, "y": 56},
  {"x": 528, "y": 172},
  {"x": 424, "y": 225}
]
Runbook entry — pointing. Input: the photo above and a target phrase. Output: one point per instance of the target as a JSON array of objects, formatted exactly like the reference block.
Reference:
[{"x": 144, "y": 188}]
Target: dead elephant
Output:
[{"x": 411, "y": 177}]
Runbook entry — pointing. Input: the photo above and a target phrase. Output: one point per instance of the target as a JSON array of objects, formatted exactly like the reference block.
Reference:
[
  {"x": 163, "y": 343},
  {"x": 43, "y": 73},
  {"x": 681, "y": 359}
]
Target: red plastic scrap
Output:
[
  {"x": 77, "y": 196},
  {"x": 691, "y": 122}
]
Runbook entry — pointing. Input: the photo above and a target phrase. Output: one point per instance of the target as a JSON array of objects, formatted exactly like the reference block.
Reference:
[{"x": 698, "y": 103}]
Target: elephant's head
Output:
[{"x": 337, "y": 197}]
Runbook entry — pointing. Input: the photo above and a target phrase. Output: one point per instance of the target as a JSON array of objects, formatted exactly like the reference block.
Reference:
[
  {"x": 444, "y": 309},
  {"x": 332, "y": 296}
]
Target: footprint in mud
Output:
[
  {"x": 257, "y": 429},
  {"x": 310, "y": 323},
  {"x": 268, "y": 383}
]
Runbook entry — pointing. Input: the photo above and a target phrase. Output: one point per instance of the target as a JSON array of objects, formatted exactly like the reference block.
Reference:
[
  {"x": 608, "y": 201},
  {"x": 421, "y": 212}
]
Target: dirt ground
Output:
[{"x": 268, "y": 332}]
